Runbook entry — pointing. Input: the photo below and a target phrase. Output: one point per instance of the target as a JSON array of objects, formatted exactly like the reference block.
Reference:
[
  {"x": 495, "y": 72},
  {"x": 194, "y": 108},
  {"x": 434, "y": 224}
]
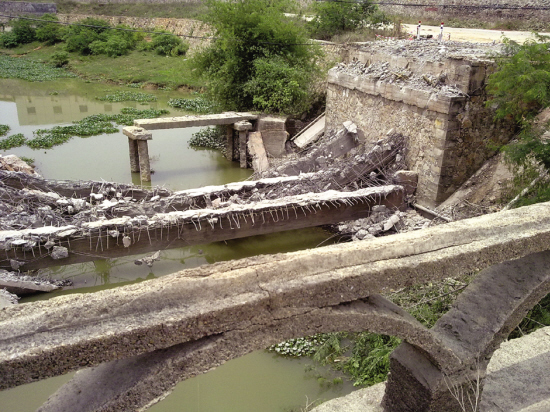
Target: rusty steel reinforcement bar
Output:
[
  {"x": 125, "y": 236},
  {"x": 48, "y": 338}
]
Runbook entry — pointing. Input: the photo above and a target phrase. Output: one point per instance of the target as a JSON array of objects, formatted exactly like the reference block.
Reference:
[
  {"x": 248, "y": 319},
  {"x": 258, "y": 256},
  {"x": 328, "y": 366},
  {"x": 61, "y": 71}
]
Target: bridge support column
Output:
[
  {"x": 230, "y": 147},
  {"x": 415, "y": 384},
  {"x": 243, "y": 127},
  {"x": 139, "y": 152}
]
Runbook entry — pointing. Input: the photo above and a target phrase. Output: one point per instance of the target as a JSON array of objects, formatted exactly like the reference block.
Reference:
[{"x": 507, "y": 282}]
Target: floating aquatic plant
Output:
[
  {"x": 4, "y": 129},
  {"x": 209, "y": 137},
  {"x": 90, "y": 126},
  {"x": 12, "y": 141},
  {"x": 198, "y": 104},
  {"x": 30, "y": 70},
  {"x": 127, "y": 96}
]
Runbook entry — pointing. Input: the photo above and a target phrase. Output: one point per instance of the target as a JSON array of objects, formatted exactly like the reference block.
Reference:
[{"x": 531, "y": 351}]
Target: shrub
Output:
[
  {"x": 24, "y": 31},
  {"x": 334, "y": 18},
  {"x": 167, "y": 44},
  {"x": 78, "y": 38},
  {"x": 8, "y": 40},
  {"x": 49, "y": 31},
  {"x": 59, "y": 59}
]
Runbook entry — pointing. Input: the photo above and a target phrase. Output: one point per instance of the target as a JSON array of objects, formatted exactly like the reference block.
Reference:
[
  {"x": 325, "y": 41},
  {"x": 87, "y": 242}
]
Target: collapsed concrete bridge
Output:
[{"x": 186, "y": 323}]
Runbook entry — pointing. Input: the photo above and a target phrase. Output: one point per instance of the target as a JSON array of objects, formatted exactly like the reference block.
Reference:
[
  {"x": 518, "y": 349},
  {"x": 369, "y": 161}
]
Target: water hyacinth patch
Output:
[
  {"x": 209, "y": 138},
  {"x": 90, "y": 126},
  {"x": 4, "y": 129},
  {"x": 30, "y": 70},
  {"x": 12, "y": 141},
  {"x": 197, "y": 105},
  {"x": 126, "y": 96},
  {"x": 298, "y": 347}
]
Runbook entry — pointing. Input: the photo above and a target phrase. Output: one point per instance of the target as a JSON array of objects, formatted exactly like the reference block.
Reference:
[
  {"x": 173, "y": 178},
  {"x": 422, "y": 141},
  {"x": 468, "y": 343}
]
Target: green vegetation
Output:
[
  {"x": 520, "y": 90},
  {"x": 334, "y": 18},
  {"x": 260, "y": 59},
  {"x": 197, "y": 104},
  {"x": 4, "y": 129},
  {"x": 209, "y": 137},
  {"x": 12, "y": 141},
  {"x": 365, "y": 356},
  {"x": 89, "y": 126},
  {"x": 31, "y": 70},
  {"x": 126, "y": 96}
]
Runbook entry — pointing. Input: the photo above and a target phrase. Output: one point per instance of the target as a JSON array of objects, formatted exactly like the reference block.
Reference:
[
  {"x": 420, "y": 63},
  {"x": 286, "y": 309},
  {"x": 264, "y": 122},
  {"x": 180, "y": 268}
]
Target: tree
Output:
[
  {"x": 521, "y": 85},
  {"x": 167, "y": 44},
  {"x": 334, "y": 17},
  {"x": 24, "y": 31},
  {"x": 259, "y": 59},
  {"x": 519, "y": 90},
  {"x": 49, "y": 31},
  {"x": 79, "y": 36}
]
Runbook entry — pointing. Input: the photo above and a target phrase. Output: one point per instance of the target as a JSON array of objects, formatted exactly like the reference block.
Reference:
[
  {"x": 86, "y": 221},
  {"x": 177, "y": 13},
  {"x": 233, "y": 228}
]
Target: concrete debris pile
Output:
[
  {"x": 383, "y": 221},
  {"x": 21, "y": 285},
  {"x": 343, "y": 161},
  {"x": 383, "y": 72},
  {"x": 434, "y": 51},
  {"x": 7, "y": 299},
  {"x": 13, "y": 163}
]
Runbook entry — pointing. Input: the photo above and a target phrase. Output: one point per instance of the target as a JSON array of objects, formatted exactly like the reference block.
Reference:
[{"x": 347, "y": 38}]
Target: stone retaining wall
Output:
[
  {"x": 527, "y": 12},
  {"x": 16, "y": 8},
  {"x": 449, "y": 137}
]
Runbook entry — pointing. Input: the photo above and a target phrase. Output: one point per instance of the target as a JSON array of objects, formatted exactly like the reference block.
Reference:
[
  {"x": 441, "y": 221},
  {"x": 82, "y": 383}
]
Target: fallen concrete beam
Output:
[
  {"x": 76, "y": 189},
  {"x": 193, "y": 121},
  {"x": 48, "y": 338},
  {"x": 124, "y": 236},
  {"x": 311, "y": 133}
]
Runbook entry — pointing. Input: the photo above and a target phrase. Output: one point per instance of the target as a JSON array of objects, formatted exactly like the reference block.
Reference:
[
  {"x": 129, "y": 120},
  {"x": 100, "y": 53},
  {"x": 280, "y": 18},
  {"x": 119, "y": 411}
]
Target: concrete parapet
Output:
[{"x": 39, "y": 340}]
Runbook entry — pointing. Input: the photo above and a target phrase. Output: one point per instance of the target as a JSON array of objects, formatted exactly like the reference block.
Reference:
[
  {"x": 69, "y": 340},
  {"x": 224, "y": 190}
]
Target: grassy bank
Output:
[{"x": 142, "y": 68}]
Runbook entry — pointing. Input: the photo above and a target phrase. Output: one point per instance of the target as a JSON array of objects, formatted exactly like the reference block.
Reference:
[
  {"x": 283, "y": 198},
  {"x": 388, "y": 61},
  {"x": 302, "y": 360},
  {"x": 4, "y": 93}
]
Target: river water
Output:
[{"x": 259, "y": 381}]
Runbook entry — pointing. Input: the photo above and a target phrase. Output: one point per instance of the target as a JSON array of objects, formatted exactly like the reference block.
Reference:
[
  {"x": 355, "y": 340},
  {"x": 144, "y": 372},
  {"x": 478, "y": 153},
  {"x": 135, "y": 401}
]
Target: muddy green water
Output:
[{"x": 259, "y": 381}]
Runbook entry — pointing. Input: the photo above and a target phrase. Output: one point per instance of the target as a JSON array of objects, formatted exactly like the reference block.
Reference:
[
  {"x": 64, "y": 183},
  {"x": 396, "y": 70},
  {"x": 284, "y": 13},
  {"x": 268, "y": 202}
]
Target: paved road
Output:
[{"x": 473, "y": 35}]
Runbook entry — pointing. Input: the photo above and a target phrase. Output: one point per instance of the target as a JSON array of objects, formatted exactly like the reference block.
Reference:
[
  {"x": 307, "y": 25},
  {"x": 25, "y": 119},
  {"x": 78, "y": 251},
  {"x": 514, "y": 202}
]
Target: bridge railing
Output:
[{"x": 184, "y": 324}]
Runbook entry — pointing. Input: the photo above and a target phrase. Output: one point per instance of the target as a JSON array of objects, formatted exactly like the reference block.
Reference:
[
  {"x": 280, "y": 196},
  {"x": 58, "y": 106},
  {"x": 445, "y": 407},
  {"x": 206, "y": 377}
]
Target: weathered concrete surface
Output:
[
  {"x": 517, "y": 375},
  {"x": 492, "y": 305},
  {"x": 49, "y": 338},
  {"x": 126, "y": 235},
  {"x": 311, "y": 133},
  {"x": 149, "y": 376},
  {"x": 362, "y": 400},
  {"x": 191, "y": 121},
  {"x": 274, "y": 135},
  {"x": 257, "y": 151}
]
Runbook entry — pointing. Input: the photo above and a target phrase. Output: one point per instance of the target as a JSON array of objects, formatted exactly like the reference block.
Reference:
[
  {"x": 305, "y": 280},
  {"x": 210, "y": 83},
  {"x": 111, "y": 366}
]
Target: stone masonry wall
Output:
[
  {"x": 20, "y": 7},
  {"x": 529, "y": 13},
  {"x": 450, "y": 132}
]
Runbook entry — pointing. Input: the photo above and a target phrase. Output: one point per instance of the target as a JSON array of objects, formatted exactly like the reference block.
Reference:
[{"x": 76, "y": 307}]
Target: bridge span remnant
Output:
[{"x": 195, "y": 319}]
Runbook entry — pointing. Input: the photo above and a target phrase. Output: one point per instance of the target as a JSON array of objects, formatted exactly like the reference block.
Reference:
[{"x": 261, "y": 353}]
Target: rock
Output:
[
  {"x": 59, "y": 252},
  {"x": 391, "y": 222},
  {"x": 408, "y": 179},
  {"x": 7, "y": 299}
]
